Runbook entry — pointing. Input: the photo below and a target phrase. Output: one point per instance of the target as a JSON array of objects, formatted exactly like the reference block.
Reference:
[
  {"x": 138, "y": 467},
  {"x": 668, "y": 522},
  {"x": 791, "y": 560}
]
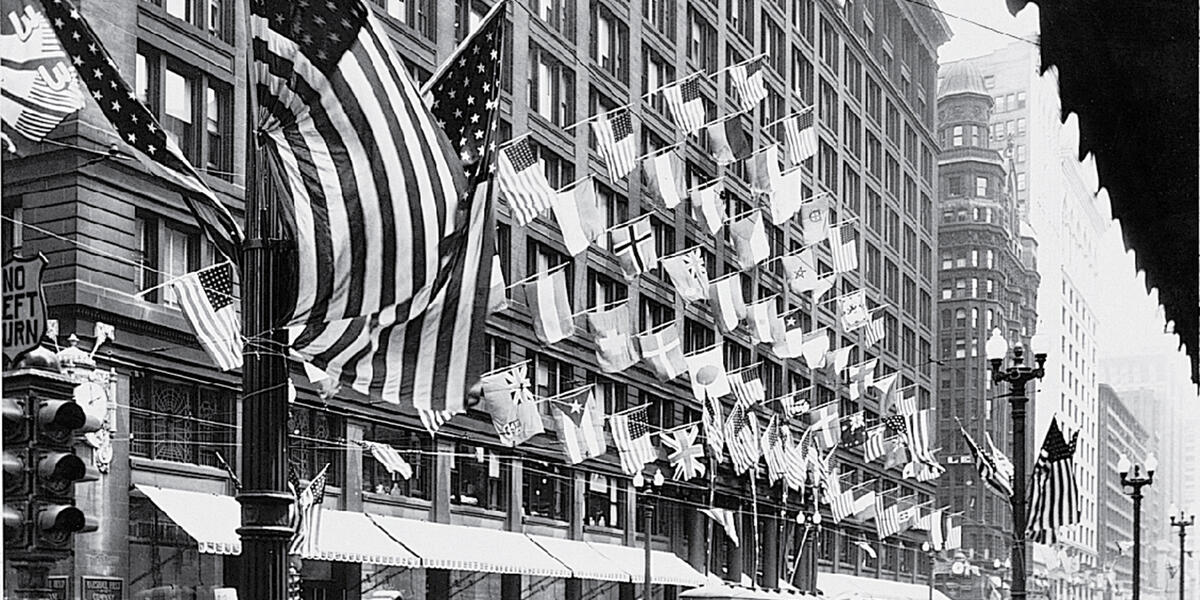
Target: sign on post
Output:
[{"x": 24, "y": 305}]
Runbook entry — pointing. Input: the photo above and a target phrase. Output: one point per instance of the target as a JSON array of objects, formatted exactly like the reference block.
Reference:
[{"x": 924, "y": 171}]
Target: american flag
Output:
[
  {"x": 842, "y": 505},
  {"x": 390, "y": 259},
  {"x": 39, "y": 90},
  {"x": 907, "y": 403},
  {"x": 987, "y": 467},
  {"x": 686, "y": 104},
  {"x": 522, "y": 181},
  {"x": 954, "y": 532},
  {"x": 887, "y": 519},
  {"x": 773, "y": 450},
  {"x": 801, "y": 136},
  {"x": 434, "y": 419},
  {"x": 917, "y": 434},
  {"x": 896, "y": 424},
  {"x": 748, "y": 81},
  {"x": 306, "y": 541},
  {"x": 136, "y": 126},
  {"x": 206, "y": 297},
  {"x": 631, "y": 434},
  {"x": 741, "y": 438},
  {"x": 874, "y": 448},
  {"x": 845, "y": 249},
  {"x": 614, "y": 132},
  {"x": 713, "y": 421},
  {"x": 1054, "y": 493},
  {"x": 795, "y": 461},
  {"x": 873, "y": 333},
  {"x": 389, "y": 458},
  {"x": 747, "y": 389}
]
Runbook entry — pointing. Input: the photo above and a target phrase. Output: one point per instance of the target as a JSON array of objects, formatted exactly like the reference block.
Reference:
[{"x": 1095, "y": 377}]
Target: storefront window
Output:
[
  {"x": 313, "y": 441},
  {"x": 605, "y": 502},
  {"x": 546, "y": 490},
  {"x": 479, "y": 478},
  {"x": 181, "y": 422},
  {"x": 164, "y": 561},
  {"x": 415, "y": 448}
]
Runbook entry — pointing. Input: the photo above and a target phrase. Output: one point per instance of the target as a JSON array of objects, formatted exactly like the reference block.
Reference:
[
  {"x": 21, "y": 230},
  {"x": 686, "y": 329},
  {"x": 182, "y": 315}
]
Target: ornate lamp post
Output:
[
  {"x": 931, "y": 552},
  {"x": 1182, "y": 523},
  {"x": 811, "y": 521},
  {"x": 1135, "y": 481},
  {"x": 1016, "y": 376},
  {"x": 649, "y": 491}
]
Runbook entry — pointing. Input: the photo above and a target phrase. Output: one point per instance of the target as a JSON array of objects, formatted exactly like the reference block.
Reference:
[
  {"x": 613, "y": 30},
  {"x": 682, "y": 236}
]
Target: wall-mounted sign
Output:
[
  {"x": 60, "y": 585},
  {"x": 103, "y": 588}
]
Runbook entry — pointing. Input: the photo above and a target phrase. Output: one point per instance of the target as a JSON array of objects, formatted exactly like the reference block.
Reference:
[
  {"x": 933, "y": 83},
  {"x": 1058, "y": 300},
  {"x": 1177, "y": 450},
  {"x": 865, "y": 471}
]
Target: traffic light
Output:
[
  {"x": 17, "y": 438},
  {"x": 56, "y": 470}
]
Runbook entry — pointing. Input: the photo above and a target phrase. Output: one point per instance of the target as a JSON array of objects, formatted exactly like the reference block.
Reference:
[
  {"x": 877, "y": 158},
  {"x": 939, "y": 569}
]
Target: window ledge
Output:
[
  {"x": 402, "y": 501},
  {"x": 546, "y": 521},
  {"x": 168, "y": 467},
  {"x": 475, "y": 511}
]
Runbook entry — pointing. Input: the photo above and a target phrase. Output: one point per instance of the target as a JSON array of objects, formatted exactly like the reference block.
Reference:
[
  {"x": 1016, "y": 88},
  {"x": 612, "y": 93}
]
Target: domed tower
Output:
[{"x": 984, "y": 284}]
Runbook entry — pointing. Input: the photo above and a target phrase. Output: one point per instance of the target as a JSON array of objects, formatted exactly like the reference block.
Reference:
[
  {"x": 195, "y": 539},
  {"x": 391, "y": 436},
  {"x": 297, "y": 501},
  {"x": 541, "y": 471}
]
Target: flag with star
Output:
[
  {"x": 580, "y": 423},
  {"x": 206, "y": 297},
  {"x": 631, "y": 434},
  {"x": 1054, "y": 498},
  {"x": 40, "y": 86},
  {"x": 685, "y": 453},
  {"x": 136, "y": 126}
]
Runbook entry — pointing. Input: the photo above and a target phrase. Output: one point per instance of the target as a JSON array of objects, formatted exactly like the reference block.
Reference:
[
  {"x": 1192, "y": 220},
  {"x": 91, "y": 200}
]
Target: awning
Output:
[
  {"x": 584, "y": 561},
  {"x": 442, "y": 546},
  {"x": 721, "y": 591},
  {"x": 352, "y": 537},
  {"x": 210, "y": 519},
  {"x": 665, "y": 567},
  {"x": 840, "y": 586}
]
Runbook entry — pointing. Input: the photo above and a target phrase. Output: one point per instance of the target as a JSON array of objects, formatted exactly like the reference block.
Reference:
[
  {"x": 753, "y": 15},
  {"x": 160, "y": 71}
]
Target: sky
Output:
[{"x": 972, "y": 40}]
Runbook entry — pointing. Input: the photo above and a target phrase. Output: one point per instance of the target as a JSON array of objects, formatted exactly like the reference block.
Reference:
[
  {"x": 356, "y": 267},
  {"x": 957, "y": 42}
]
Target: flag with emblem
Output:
[
  {"x": 728, "y": 304},
  {"x": 844, "y": 248},
  {"x": 389, "y": 458},
  {"x": 1054, "y": 498},
  {"x": 614, "y": 136},
  {"x": 708, "y": 375},
  {"x": 684, "y": 453},
  {"x": 50, "y": 98},
  {"x": 689, "y": 274},
  {"x": 764, "y": 321},
  {"x": 800, "y": 271},
  {"x": 823, "y": 421},
  {"x": 206, "y": 297},
  {"x": 507, "y": 397},
  {"x": 747, "y": 388},
  {"x": 384, "y": 196},
  {"x": 686, "y": 104},
  {"x": 578, "y": 216},
  {"x": 631, "y": 434},
  {"x": 873, "y": 333},
  {"x": 522, "y": 181},
  {"x": 897, "y": 452},
  {"x": 728, "y": 141},
  {"x": 787, "y": 334},
  {"x": 611, "y": 330},
  {"x": 714, "y": 421},
  {"x": 852, "y": 310},
  {"x": 873, "y": 447},
  {"x": 814, "y": 218},
  {"x": 797, "y": 403},
  {"x": 708, "y": 205},
  {"x": 854, "y": 430},
  {"x": 580, "y": 421},
  {"x": 662, "y": 352},
  {"x": 801, "y": 136},
  {"x": 762, "y": 168},
  {"x": 741, "y": 438},
  {"x": 633, "y": 245},
  {"x": 550, "y": 306},
  {"x": 750, "y": 242},
  {"x": 664, "y": 179},
  {"x": 747, "y": 79}
]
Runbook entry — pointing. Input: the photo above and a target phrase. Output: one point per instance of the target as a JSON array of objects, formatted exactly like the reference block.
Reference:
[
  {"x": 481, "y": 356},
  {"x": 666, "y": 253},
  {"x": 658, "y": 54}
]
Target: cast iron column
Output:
[{"x": 1182, "y": 524}]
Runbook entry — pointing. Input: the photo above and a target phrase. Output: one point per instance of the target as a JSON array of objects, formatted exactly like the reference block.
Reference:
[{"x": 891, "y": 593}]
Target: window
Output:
[
  {"x": 773, "y": 44},
  {"x": 802, "y": 76},
  {"x": 989, "y": 82},
  {"x": 740, "y": 17},
  {"x": 217, "y": 129},
  {"x": 702, "y": 41},
  {"x": 874, "y": 100},
  {"x": 829, "y": 166},
  {"x": 179, "y": 114},
  {"x": 610, "y": 43},
  {"x": 415, "y": 449},
  {"x": 559, "y": 171},
  {"x": 802, "y": 18},
  {"x": 540, "y": 258},
  {"x": 851, "y": 189},
  {"x": 13, "y": 233},
  {"x": 1022, "y": 182},
  {"x": 874, "y": 156},
  {"x": 955, "y": 184},
  {"x": 605, "y": 502},
  {"x": 830, "y": 44},
  {"x": 558, "y": 14},
  {"x": 1021, "y": 126},
  {"x": 181, "y": 421},
  {"x": 851, "y": 132},
  {"x": 546, "y": 490},
  {"x": 478, "y": 478},
  {"x": 210, "y": 15},
  {"x": 852, "y": 75},
  {"x": 829, "y": 106},
  {"x": 314, "y": 435},
  {"x": 168, "y": 250},
  {"x": 654, "y": 314},
  {"x": 981, "y": 187},
  {"x": 1020, "y": 99},
  {"x": 603, "y": 290},
  {"x": 183, "y": 99},
  {"x": 956, "y": 136},
  {"x": 1020, "y": 153},
  {"x": 551, "y": 87},
  {"x": 661, "y": 14},
  {"x": 657, "y": 73},
  {"x": 416, "y": 14}
]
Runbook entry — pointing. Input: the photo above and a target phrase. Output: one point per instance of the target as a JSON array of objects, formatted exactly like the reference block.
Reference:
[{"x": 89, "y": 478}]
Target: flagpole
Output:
[
  {"x": 265, "y": 501},
  {"x": 754, "y": 500}
]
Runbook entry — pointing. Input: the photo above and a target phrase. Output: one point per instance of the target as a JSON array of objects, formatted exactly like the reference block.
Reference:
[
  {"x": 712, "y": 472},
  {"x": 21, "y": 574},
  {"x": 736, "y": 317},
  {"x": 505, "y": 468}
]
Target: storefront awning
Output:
[
  {"x": 665, "y": 567},
  {"x": 721, "y": 591},
  {"x": 210, "y": 519},
  {"x": 582, "y": 559},
  {"x": 457, "y": 547},
  {"x": 840, "y": 586},
  {"x": 352, "y": 537}
]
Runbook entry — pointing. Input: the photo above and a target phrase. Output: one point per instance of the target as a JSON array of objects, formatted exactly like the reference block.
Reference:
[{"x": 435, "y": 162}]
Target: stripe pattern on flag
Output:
[
  {"x": 39, "y": 89},
  {"x": 389, "y": 458},
  {"x": 206, "y": 297},
  {"x": 523, "y": 183},
  {"x": 614, "y": 134},
  {"x": 801, "y": 137},
  {"x": 686, "y": 104},
  {"x": 631, "y": 434},
  {"x": 748, "y": 81},
  {"x": 844, "y": 249},
  {"x": 741, "y": 438},
  {"x": 1054, "y": 492}
]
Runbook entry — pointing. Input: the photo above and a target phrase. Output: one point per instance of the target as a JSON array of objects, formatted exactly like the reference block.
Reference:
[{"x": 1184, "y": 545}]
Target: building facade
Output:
[
  {"x": 1122, "y": 435},
  {"x": 988, "y": 280},
  {"x": 114, "y": 235}
]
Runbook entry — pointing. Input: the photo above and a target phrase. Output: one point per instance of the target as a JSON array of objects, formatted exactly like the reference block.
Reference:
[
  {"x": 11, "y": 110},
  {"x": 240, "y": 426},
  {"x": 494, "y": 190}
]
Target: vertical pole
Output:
[
  {"x": 265, "y": 500},
  {"x": 931, "y": 561},
  {"x": 647, "y": 585},
  {"x": 1137, "y": 542},
  {"x": 1019, "y": 400},
  {"x": 1182, "y": 556}
]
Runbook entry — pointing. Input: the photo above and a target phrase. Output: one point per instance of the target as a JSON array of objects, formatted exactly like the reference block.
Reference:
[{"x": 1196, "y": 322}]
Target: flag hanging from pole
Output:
[
  {"x": 728, "y": 141},
  {"x": 747, "y": 79},
  {"x": 708, "y": 205},
  {"x": 550, "y": 306},
  {"x": 708, "y": 375},
  {"x": 689, "y": 274},
  {"x": 578, "y": 216},
  {"x": 507, "y": 397},
  {"x": 614, "y": 134},
  {"x": 714, "y": 422},
  {"x": 750, "y": 242},
  {"x": 844, "y": 249},
  {"x": 522, "y": 181},
  {"x": 633, "y": 245},
  {"x": 306, "y": 541},
  {"x": 765, "y": 177},
  {"x": 748, "y": 390},
  {"x": 40, "y": 87},
  {"x": 728, "y": 304},
  {"x": 801, "y": 136},
  {"x": 814, "y": 217},
  {"x": 206, "y": 297},
  {"x": 741, "y": 438},
  {"x": 727, "y": 519},
  {"x": 662, "y": 351},
  {"x": 664, "y": 179},
  {"x": 685, "y": 453},
  {"x": 580, "y": 422},
  {"x": 852, "y": 309},
  {"x": 986, "y": 465},
  {"x": 631, "y": 434},
  {"x": 1054, "y": 493},
  {"x": 389, "y": 458},
  {"x": 611, "y": 330},
  {"x": 687, "y": 107}
]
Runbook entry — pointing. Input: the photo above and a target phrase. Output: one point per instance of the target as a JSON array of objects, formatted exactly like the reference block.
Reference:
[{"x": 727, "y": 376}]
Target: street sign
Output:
[{"x": 24, "y": 305}]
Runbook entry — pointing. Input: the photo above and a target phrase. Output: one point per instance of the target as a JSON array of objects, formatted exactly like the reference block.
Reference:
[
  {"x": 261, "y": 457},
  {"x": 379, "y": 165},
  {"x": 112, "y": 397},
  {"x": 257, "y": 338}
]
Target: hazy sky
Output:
[{"x": 972, "y": 40}]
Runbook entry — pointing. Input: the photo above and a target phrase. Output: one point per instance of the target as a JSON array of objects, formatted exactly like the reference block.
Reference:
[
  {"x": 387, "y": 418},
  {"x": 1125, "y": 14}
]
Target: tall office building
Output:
[
  {"x": 1057, "y": 193},
  {"x": 988, "y": 280},
  {"x": 114, "y": 235},
  {"x": 1122, "y": 435}
]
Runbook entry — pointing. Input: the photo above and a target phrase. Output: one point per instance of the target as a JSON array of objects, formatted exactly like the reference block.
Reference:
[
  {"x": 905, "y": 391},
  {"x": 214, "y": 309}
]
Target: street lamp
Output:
[
  {"x": 810, "y": 521},
  {"x": 930, "y": 551},
  {"x": 648, "y": 490},
  {"x": 1182, "y": 523},
  {"x": 1016, "y": 376},
  {"x": 1132, "y": 477}
]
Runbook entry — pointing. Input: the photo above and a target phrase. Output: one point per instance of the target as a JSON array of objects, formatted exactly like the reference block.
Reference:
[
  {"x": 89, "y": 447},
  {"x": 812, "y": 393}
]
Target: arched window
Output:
[{"x": 960, "y": 318}]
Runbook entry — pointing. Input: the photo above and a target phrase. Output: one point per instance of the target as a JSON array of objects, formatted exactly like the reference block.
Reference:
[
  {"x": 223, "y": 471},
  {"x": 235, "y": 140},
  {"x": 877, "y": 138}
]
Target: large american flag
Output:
[
  {"x": 206, "y": 297},
  {"x": 614, "y": 134},
  {"x": 686, "y": 104},
  {"x": 389, "y": 235},
  {"x": 631, "y": 434},
  {"x": 40, "y": 91},
  {"x": 1054, "y": 493},
  {"x": 873, "y": 333},
  {"x": 988, "y": 470},
  {"x": 136, "y": 126},
  {"x": 747, "y": 79},
  {"x": 844, "y": 247},
  {"x": 801, "y": 136},
  {"x": 306, "y": 541},
  {"x": 741, "y": 438},
  {"x": 522, "y": 181}
]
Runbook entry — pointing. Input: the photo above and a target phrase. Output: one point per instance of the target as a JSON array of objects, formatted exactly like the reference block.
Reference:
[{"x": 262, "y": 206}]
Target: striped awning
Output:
[
  {"x": 584, "y": 561},
  {"x": 352, "y": 537},
  {"x": 457, "y": 547},
  {"x": 665, "y": 567},
  {"x": 210, "y": 519}
]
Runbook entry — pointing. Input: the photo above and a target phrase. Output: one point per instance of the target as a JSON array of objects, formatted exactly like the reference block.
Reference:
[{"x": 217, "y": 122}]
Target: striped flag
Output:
[
  {"x": 1053, "y": 493},
  {"x": 741, "y": 438},
  {"x": 389, "y": 458},
  {"x": 522, "y": 181},
  {"x": 687, "y": 107},
  {"x": 907, "y": 403},
  {"x": 663, "y": 176},
  {"x": 748, "y": 81},
  {"x": 206, "y": 297},
  {"x": 40, "y": 89},
  {"x": 936, "y": 539},
  {"x": 306, "y": 541},
  {"x": 580, "y": 421},
  {"x": 795, "y": 461},
  {"x": 918, "y": 433},
  {"x": 550, "y": 306},
  {"x": 713, "y": 421},
  {"x": 614, "y": 134},
  {"x": 873, "y": 333},
  {"x": 773, "y": 450},
  {"x": 954, "y": 532},
  {"x": 874, "y": 448},
  {"x": 842, "y": 506},
  {"x": 887, "y": 519},
  {"x": 727, "y": 301},
  {"x": 434, "y": 419},
  {"x": 1004, "y": 467},
  {"x": 801, "y": 136},
  {"x": 728, "y": 141},
  {"x": 578, "y": 216},
  {"x": 631, "y": 434},
  {"x": 748, "y": 390},
  {"x": 844, "y": 247},
  {"x": 392, "y": 278},
  {"x": 987, "y": 467},
  {"x": 864, "y": 502}
]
